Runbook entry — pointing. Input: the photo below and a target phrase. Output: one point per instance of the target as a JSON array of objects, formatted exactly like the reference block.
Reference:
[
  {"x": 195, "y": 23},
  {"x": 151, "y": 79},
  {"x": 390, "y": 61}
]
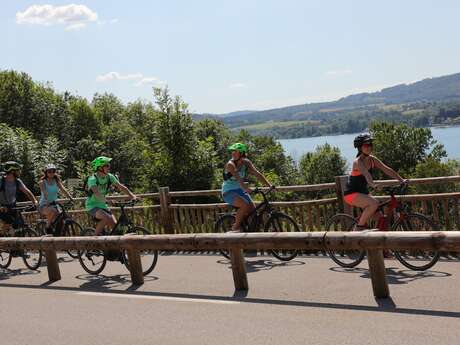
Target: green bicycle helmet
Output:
[
  {"x": 100, "y": 162},
  {"x": 12, "y": 165},
  {"x": 241, "y": 148}
]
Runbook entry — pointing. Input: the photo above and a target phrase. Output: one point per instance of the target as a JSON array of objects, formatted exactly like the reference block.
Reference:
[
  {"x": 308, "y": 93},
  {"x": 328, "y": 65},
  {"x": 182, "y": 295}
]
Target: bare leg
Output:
[
  {"x": 105, "y": 220},
  {"x": 368, "y": 204},
  {"x": 244, "y": 209},
  {"x": 50, "y": 213}
]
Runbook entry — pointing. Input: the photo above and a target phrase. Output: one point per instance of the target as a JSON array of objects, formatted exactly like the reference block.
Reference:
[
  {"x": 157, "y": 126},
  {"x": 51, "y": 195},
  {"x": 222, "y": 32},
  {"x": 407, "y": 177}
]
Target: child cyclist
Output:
[
  {"x": 98, "y": 186},
  {"x": 234, "y": 191}
]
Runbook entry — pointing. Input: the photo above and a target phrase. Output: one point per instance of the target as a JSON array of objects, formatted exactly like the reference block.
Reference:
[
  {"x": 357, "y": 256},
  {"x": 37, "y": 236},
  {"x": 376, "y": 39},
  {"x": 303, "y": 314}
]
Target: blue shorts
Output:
[{"x": 229, "y": 196}]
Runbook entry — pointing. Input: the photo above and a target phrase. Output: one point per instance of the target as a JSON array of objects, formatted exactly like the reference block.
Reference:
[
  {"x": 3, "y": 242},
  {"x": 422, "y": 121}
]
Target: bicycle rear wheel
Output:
[
  {"x": 32, "y": 258},
  {"x": 280, "y": 222},
  {"x": 71, "y": 229},
  {"x": 149, "y": 258},
  {"x": 346, "y": 258},
  {"x": 223, "y": 225},
  {"x": 93, "y": 261},
  {"x": 416, "y": 259}
]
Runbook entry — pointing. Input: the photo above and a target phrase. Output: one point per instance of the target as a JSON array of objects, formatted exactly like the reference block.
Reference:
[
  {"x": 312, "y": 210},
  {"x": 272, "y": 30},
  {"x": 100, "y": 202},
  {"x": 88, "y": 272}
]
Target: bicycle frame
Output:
[
  {"x": 257, "y": 214},
  {"x": 386, "y": 216},
  {"x": 123, "y": 219}
]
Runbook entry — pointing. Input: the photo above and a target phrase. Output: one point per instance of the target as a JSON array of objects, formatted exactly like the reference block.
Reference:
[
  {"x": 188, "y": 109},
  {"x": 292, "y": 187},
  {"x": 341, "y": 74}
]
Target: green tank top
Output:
[{"x": 232, "y": 183}]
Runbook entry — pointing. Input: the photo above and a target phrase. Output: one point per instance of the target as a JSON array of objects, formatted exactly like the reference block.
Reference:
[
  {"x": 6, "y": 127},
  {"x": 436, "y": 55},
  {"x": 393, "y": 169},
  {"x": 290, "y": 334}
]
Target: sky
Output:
[{"x": 222, "y": 56}]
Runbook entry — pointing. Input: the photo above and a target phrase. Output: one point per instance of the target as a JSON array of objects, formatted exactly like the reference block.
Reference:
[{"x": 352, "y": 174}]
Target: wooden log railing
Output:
[
  {"x": 371, "y": 241},
  {"x": 166, "y": 217}
]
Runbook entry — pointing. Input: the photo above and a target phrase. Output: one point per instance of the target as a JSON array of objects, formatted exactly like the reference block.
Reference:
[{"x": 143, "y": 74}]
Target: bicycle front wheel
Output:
[
  {"x": 224, "y": 224},
  {"x": 280, "y": 222},
  {"x": 149, "y": 258},
  {"x": 32, "y": 258},
  {"x": 71, "y": 229},
  {"x": 93, "y": 261},
  {"x": 5, "y": 257},
  {"x": 416, "y": 259},
  {"x": 348, "y": 258}
]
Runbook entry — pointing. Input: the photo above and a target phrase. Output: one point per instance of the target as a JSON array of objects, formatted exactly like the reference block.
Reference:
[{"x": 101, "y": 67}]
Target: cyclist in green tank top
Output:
[
  {"x": 98, "y": 188},
  {"x": 234, "y": 191}
]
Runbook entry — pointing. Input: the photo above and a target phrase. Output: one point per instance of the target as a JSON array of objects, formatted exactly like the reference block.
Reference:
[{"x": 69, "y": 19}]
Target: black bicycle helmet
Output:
[{"x": 361, "y": 139}]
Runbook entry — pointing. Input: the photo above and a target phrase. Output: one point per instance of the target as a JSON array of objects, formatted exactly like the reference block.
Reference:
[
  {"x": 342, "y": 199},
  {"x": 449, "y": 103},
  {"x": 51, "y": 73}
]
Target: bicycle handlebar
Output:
[
  {"x": 401, "y": 189},
  {"x": 261, "y": 191}
]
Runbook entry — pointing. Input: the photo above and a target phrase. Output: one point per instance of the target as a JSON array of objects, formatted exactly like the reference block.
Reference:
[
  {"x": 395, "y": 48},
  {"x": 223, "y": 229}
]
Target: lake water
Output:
[{"x": 448, "y": 136}]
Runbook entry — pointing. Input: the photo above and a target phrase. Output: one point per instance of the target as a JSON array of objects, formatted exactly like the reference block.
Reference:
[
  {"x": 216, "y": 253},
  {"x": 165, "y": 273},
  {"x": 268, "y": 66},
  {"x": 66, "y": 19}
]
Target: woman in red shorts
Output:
[{"x": 356, "y": 192}]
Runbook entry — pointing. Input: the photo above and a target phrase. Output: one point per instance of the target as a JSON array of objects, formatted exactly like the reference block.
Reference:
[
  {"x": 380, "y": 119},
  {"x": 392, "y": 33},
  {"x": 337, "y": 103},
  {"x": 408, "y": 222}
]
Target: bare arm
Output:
[
  {"x": 29, "y": 194},
  {"x": 257, "y": 173},
  {"x": 64, "y": 190},
  {"x": 43, "y": 190},
  {"x": 125, "y": 190},
  {"x": 386, "y": 169}
]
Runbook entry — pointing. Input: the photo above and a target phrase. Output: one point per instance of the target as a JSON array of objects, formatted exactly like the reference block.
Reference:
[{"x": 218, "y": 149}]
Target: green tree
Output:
[
  {"x": 322, "y": 165},
  {"x": 403, "y": 147}
]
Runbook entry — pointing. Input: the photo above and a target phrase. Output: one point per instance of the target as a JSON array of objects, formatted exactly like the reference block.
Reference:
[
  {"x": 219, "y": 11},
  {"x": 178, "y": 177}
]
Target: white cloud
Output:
[
  {"x": 74, "y": 17},
  {"x": 139, "y": 78},
  {"x": 238, "y": 86},
  {"x": 338, "y": 72}
]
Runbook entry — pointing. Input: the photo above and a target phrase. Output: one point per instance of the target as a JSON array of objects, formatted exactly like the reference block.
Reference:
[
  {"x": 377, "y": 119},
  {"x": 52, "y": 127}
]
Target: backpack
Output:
[{"x": 89, "y": 192}]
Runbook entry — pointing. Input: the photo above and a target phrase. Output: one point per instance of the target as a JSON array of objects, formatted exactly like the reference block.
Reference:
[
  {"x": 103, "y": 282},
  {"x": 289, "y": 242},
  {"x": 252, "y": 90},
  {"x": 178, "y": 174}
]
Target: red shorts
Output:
[{"x": 350, "y": 197}]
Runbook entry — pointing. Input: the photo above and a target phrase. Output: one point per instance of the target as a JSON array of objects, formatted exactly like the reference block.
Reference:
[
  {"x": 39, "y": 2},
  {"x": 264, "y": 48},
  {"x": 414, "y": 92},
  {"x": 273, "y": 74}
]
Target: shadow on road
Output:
[
  {"x": 8, "y": 273},
  {"x": 383, "y": 305},
  {"x": 262, "y": 264},
  {"x": 106, "y": 283},
  {"x": 395, "y": 275}
]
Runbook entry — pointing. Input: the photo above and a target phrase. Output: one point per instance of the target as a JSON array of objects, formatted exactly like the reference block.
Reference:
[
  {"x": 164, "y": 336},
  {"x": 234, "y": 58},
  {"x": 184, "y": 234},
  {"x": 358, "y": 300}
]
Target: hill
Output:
[{"x": 422, "y": 103}]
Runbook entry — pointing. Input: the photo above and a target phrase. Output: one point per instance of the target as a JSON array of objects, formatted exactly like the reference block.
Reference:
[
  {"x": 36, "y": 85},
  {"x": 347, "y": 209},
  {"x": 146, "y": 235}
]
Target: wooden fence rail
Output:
[{"x": 374, "y": 242}]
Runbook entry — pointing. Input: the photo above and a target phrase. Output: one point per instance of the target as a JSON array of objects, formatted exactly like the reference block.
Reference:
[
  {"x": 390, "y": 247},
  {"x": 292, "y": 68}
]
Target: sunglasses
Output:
[{"x": 53, "y": 171}]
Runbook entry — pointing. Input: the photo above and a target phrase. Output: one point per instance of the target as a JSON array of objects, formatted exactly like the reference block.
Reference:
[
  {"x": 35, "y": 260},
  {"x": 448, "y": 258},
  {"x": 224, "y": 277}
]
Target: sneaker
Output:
[{"x": 357, "y": 227}]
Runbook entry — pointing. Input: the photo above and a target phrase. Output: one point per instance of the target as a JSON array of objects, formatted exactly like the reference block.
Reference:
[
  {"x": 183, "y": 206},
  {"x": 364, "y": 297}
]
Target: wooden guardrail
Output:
[{"x": 374, "y": 242}]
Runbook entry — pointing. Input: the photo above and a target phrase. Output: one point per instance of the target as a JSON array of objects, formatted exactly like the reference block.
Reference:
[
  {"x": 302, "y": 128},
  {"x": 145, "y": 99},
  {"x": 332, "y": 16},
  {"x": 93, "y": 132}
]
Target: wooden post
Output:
[
  {"x": 340, "y": 184},
  {"x": 240, "y": 277},
  {"x": 377, "y": 272},
  {"x": 165, "y": 201},
  {"x": 135, "y": 266},
  {"x": 54, "y": 274}
]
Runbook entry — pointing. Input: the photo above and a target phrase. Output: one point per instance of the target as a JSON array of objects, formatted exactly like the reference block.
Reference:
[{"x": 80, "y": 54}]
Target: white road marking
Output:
[{"x": 160, "y": 298}]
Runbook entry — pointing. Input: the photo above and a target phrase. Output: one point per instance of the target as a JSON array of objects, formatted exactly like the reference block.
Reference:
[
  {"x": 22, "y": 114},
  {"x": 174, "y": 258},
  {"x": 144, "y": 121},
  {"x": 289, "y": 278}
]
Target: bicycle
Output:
[
  {"x": 32, "y": 258},
  {"x": 62, "y": 225},
  {"x": 93, "y": 261},
  {"x": 403, "y": 219},
  {"x": 276, "y": 222}
]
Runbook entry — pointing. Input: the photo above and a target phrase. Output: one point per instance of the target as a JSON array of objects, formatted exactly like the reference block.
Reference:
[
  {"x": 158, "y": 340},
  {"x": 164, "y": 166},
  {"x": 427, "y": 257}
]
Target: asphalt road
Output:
[{"x": 190, "y": 299}]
